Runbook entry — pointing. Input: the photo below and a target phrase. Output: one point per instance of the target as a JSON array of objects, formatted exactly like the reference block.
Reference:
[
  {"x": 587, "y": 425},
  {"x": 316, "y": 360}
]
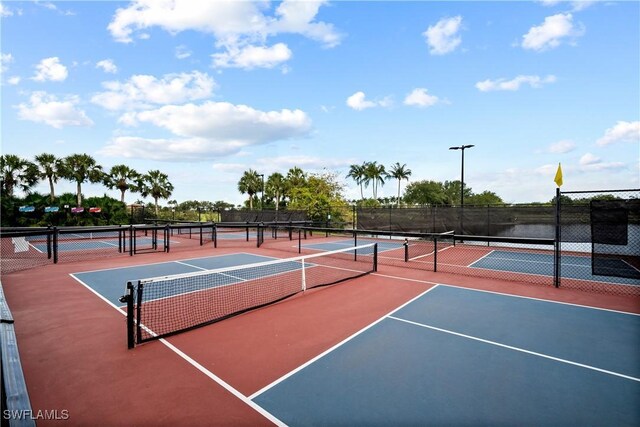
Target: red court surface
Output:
[{"x": 74, "y": 353}]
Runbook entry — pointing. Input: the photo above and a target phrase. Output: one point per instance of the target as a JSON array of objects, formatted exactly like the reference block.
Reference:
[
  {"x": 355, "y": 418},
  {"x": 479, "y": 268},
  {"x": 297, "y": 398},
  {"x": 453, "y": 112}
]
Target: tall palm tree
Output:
[
  {"x": 17, "y": 172},
  {"x": 155, "y": 184},
  {"x": 250, "y": 183},
  {"x": 276, "y": 187},
  {"x": 375, "y": 174},
  {"x": 123, "y": 178},
  {"x": 50, "y": 168},
  {"x": 81, "y": 168},
  {"x": 357, "y": 173},
  {"x": 399, "y": 172},
  {"x": 296, "y": 178}
]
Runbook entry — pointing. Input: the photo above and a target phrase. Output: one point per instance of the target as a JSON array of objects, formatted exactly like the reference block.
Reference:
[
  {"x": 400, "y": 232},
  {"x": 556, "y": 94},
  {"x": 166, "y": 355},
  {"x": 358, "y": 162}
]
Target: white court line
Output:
[
  {"x": 29, "y": 243},
  {"x": 198, "y": 366},
  {"x": 636, "y": 269},
  {"x": 481, "y": 258},
  {"x": 190, "y": 265},
  {"x": 430, "y": 253},
  {"x": 341, "y": 343},
  {"x": 497, "y": 344},
  {"x": 505, "y": 294}
]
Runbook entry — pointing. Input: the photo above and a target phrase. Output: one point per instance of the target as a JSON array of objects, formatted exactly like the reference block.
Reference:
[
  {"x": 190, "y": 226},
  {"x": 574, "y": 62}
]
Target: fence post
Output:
[
  {"x": 353, "y": 217},
  {"x": 557, "y": 249},
  {"x": 49, "y": 250},
  {"x": 55, "y": 245}
]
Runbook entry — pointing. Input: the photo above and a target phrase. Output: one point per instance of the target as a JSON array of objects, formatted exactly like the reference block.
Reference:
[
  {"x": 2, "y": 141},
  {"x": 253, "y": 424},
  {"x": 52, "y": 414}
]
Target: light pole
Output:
[
  {"x": 261, "y": 175},
  {"x": 462, "y": 147}
]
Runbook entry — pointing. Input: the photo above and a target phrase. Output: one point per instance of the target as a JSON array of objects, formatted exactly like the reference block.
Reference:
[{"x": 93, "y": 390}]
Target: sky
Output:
[{"x": 205, "y": 90}]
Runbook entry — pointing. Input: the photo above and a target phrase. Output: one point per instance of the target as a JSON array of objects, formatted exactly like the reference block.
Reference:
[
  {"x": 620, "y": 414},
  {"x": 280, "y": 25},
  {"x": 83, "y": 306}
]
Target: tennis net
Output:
[{"x": 163, "y": 306}]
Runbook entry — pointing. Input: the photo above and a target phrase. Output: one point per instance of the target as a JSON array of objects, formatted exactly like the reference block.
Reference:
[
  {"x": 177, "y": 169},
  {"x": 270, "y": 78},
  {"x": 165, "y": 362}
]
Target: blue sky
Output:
[{"x": 206, "y": 90}]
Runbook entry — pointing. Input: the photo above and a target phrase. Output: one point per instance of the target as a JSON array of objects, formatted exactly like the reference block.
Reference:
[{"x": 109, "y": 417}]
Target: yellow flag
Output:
[{"x": 558, "y": 178}]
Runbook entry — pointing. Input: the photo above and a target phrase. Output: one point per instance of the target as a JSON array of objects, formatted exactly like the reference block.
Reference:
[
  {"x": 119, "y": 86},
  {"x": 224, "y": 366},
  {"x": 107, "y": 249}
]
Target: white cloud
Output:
[
  {"x": 621, "y": 132},
  {"x": 249, "y": 57},
  {"x": 209, "y": 130},
  {"x": 143, "y": 91},
  {"x": 5, "y": 11},
  {"x": 45, "y": 108},
  {"x": 182, "y": 52},
  {"x": 514, "y": 84},
  {"x": 561, "y": 147},
  {"x": 14, "y": 80},
  {"x": 304, "y": 162},
  {"x": 238, "y": 26},
  {"x": 107, "y": 65},
  {"x": 5, "y": 60},
  {"x": 420, "y": 98},
  {"x": 50, "y": 69},
  {"x": 575, "y": 5},
  {"x": 589, "y": 159},
  {"x": 552, "y": 32},
  {"x": 234, "y": 168},
  {"x": 591, "y": 163},
  {"x": 443, "y": 37},
  {"x": 358, "y": 102}
]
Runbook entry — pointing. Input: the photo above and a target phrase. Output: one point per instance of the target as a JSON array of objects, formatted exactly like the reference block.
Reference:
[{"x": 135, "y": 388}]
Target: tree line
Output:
[{"x": 24, "y": 174}]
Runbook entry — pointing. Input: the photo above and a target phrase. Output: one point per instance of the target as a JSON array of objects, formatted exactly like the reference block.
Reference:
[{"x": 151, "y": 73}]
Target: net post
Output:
[
  {"x": 49, "y": 249},
  {"x": 119, "y": 240},
  {"x": 557, "y": 248},
  {"x": 435, "y": 254},
  {"x": 131, "y": 232},
  {"x": 375, "y": 257},
  {"x": 55, "y": 245},
  {"x": 406, "y": 249},
  {"x": 215, "y": 235},
  {"x": 304, "y": 276},
  {"x": 130, "y": 316},
  {"x": 167, "y": 239},
  {"x": 138, "y": 312},
  {"x": 355, "y": 243},
  {"x": 200, "y": 227},
  {"x": 247, "y": 231},
  {"x": 299, "y": 241}
]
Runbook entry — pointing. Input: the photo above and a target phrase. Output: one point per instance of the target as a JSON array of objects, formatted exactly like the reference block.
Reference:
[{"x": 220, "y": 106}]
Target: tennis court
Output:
[{"x": 258, "y": 336}]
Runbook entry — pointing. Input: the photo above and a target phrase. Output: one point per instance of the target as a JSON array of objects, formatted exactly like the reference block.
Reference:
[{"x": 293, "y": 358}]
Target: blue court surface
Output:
[
  {"x": 110, "y": 283},
  {"x": 454, "y": 356},
  {"x": 383, "y": 246},
  {"x": 572, "y": 267},
  {"x": 90, "y": 244}
]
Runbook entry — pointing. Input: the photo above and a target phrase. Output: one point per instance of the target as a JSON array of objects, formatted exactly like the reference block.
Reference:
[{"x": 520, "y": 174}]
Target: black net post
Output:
[
  {"x": 406, "y": 250},
  {"x": 128, "y": 298},
  {"x": 557, "y": 249},
  {"x": 55, "y": 245},
  {"x": 435, "y": 254},
  {"x": 49, "y": 249},
  {"x": 200, "y": 228},
  {"x": 131, "y": 234},
  {"x": 247, "y": 231},
  {"x": 215, "y": 235},
  {"x": 375, "y": 257},
  {"x": 167, "y": 239},
  {"x": 299, "y": 241},
  {"x": 138, "y": 312}
]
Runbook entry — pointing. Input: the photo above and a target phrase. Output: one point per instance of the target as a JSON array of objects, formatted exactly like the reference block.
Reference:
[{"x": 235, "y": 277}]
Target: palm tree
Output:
[
  {"x": 81, "y": 168},
  {"x": 123, "y": 178},
  {"x": 49, "y": 168},
  {"x": 296, "y": 178},
  {"x": 250, "y": 183},
  {"x": 375, "y": 174},
  {"x": 276, "y": 187},
  {"x": 155, "y": 184},
  {"x": 17, "y": 172},
  {"x": 357, "y": 173},
  {"x": 399, "y": 172}
]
